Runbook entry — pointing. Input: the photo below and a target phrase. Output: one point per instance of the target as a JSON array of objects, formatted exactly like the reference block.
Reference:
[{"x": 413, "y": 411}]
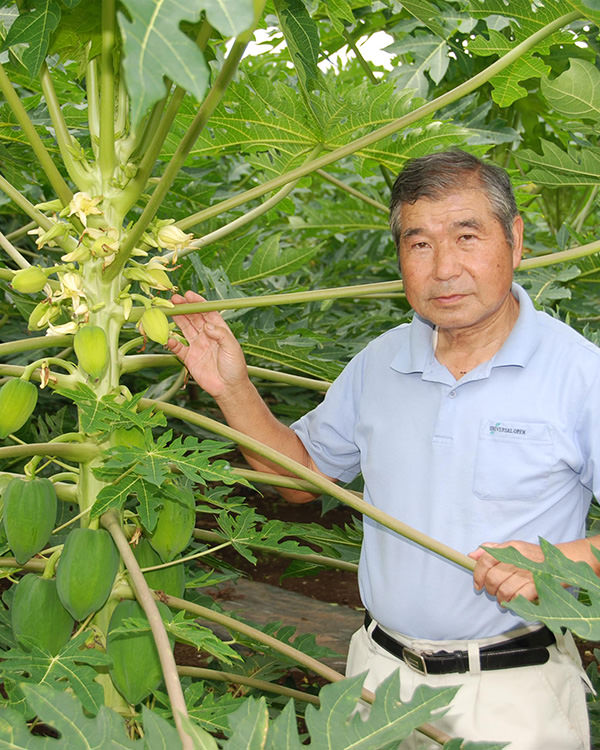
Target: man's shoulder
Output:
[{"x": 559, "y": 335}]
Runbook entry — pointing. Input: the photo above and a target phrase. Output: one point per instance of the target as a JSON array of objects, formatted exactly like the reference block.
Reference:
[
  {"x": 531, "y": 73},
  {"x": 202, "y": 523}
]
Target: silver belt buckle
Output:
[{"x": 414, "y": 660}]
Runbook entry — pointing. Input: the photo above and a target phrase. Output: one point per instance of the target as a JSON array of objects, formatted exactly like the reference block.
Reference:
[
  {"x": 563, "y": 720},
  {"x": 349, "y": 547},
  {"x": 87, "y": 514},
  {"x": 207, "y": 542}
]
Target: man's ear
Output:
[{"x": 517, "y": 249}]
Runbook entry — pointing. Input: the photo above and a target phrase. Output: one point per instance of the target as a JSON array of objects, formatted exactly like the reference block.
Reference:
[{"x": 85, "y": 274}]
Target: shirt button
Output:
[{"x": 452, "y": 394}]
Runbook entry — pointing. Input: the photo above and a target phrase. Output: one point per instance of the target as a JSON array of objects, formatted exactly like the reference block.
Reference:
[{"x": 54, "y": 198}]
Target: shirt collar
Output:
[{"x": 518, "y": 348}]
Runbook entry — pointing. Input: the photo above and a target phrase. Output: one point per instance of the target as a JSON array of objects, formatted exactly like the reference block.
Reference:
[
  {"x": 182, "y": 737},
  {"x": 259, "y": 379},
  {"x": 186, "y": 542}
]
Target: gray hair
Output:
[{"x": 435, "y": 175}]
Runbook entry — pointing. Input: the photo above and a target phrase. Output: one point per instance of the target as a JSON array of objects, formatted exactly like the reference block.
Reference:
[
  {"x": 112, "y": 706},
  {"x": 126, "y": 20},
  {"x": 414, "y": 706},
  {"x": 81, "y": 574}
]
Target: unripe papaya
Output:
[
  {"x": 91, "y": 348},
  {"x": 37, "y": 615},
  {"x": 86, "y": 571},
  {"x": 135, "y": 670},
  {"x": 29, "y": 515},
  {"x": 155, "y": 325},
  {"x": 29, "y": 280},
  {"x": 171, "y": 580},
  {"x": 173, "y": 529},
  {"x": 17, "y": 401}
]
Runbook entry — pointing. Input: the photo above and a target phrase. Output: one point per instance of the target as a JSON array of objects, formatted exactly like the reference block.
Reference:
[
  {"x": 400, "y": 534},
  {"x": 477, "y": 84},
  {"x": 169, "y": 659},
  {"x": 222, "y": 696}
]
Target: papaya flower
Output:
[
  {"x": 70, "y": 327},
  {"x": 169, "y": 237},
  {"x": 71, "y": 287},
  {"x": 47, "y": 236},
  {"x": 83, "y": 205},
  {"x": 105, "y": 243}
]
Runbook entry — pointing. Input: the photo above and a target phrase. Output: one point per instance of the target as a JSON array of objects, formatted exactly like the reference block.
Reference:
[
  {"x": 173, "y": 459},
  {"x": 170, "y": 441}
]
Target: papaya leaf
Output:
[
  {"x": 302, "y": 38},
  {"x": 201, "y": 739},
  {"x": 389, "y": 720},
  {"x": 15, "y": 734},
  {"x": 230, "y": 17},
  {"x": 558, "y": 168},
  {"x": 64, "y": 713},
  {"x": 73, "y": 665},
  {"x": 158, "y": 733},
  {"x": 269, "y": 259},
  {"x": 283, "y": 732},
  {"x": 210, "y": 710},
  {"x": 429, "y": 55},
  {"x": 35, "y": 29},
  {"x": 155, "y": 47},
  {"x": 302, "y": 359},
  {"x": 557, "y": 606},
  {"x": 108, "y": 414},
  {"x": 507, "y": 84},
  {"x": 188, "y": 631},
  {"x": 250, "y": 724},
  {"x": 546, "y": 285},
  {"x": 576, "y": 92}
]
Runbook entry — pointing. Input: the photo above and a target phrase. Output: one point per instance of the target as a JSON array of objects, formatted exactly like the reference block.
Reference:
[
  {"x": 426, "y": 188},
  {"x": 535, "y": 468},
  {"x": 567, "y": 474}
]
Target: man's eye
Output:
[{"x": 467, "y": 237}]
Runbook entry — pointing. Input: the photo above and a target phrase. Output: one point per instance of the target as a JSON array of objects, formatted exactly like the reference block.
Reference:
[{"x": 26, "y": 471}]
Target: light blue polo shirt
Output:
[{"x": 510, "y": 451}]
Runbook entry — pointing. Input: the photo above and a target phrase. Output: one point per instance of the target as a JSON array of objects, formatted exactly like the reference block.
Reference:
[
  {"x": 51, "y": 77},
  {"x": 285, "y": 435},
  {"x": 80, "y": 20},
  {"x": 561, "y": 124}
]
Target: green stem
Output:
[
  {"x": 353, "y": 191},
  {"x": 66, "y": 143},
  {"x": 93, "y": 101},
  {"x": 79, "y": 452},
  {"x": 189, "y": 558},
  {"x": 241, "y": 221},
  {"x": 35, "y": 565},
  {"x": 21, "y": 231},
  {"x": 393, "y": 127},
  {"x": 46, "y": 162},
  {"x": 67, "y": 382},
  {"x": 145, "y": 597},
  {"x": 275, "y": 480},
  {"x": 201, "y": 673},
  {"x": 107, "y": 95},
  {"x": 561, "y": 257},
  {"x": 185, "y": 145},
  {"x": 290, "y": 652},
  {"x": 582, "y": 215},
  {"x": 137, "y": 362},
  {"x": 36, "y": 342},
  {"x": 323, "y": 560},
  {"x": 363, "y": 63},
  {"x": 267, "y": 300},
  {"x": 31, "y": 368},
  {"x": 320, "y": 482},
  {"x": 13, "y": 253}
]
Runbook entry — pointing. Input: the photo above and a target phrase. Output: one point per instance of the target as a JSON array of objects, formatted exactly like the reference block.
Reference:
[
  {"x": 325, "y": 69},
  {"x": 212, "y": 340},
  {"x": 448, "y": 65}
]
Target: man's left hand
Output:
[{"x": 502, "y": 580}]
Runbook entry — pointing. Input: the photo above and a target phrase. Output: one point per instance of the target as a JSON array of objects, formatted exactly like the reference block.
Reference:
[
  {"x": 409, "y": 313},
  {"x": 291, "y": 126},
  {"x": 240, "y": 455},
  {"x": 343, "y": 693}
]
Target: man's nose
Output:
[{"x": 446, "y": 262}]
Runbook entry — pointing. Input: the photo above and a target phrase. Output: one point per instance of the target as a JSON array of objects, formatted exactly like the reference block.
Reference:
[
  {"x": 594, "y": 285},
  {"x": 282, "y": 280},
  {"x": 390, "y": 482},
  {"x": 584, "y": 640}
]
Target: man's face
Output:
[{"x": 455, "y": 260}]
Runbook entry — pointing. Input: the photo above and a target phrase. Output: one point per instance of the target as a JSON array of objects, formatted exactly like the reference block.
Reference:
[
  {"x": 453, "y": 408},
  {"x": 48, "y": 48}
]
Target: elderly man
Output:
[{"x": 474, "y": 423}]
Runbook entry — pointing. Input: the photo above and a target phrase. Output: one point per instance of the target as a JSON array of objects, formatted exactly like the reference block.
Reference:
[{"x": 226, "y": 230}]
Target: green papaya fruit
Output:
[
  {"x": 86, "y": 571},
  {"x": 17, "y": 402},
  {"x": 155, "y": 325},
  {"x": 135, "y": 670},
  {"x": 30, "y": 507},
  {"x": 29, "y": 280},
  {"x": 91, "y": 347},
  {"x": 171, "y": 580},
  {"x": 37, "y": 615},
  {"x": 174, "y": 528}
]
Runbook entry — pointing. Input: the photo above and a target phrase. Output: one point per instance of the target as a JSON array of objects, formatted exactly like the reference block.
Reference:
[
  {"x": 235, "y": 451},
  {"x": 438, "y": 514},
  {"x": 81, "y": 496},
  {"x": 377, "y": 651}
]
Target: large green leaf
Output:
[
  {"x": 34, "y": 29},
  {"x": 62, "y": 711},
  {"x": 302, "y": 38},
  {"x": 74, "y": 665},
  {"x": 576, "y": 92},
  {"x": 335, "y": 725},
  {"x": 155, "y": 47},
  {"x": 508, "y": 84},
  {"x": 557, "y": 606},
  {"x": 557, "y": 168}
]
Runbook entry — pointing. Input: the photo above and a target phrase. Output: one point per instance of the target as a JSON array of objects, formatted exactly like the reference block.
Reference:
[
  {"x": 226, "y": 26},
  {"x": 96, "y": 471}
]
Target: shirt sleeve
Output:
[
  {"x": 588, "y": 437},
  {"x": 328, "y": 431}
]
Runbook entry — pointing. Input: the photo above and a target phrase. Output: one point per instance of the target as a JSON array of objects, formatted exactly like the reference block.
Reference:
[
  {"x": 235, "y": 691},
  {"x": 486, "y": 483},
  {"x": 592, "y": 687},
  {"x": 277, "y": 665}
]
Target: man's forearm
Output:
[{"x": 245, "y": 410}]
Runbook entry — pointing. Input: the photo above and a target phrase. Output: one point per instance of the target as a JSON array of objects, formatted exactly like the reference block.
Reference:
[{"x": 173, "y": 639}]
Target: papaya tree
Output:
[{"x": 149, "y": 146}]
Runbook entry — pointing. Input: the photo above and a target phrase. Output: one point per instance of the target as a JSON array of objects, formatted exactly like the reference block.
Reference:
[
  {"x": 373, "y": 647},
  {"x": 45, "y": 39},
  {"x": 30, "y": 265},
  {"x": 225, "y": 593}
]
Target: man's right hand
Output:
[{"x": 213, "y": 356}]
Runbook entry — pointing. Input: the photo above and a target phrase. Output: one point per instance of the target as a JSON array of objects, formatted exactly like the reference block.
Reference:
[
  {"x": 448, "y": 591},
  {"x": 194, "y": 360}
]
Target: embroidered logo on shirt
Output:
[{"x": 507, "y": 429}]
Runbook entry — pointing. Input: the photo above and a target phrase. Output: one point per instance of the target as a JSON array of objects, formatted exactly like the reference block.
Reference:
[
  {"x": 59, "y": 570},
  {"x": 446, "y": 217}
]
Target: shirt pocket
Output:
[{"x": 514, "y": 460}]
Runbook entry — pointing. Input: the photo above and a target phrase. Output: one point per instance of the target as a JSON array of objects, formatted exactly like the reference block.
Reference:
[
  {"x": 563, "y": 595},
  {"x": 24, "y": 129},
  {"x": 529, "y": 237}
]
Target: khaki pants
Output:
[{"x": 533, "y": 708}]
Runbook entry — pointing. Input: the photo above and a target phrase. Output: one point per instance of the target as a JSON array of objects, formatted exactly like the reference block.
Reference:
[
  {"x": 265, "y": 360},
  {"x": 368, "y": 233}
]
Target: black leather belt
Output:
[{"x": 522, "y": 651}]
